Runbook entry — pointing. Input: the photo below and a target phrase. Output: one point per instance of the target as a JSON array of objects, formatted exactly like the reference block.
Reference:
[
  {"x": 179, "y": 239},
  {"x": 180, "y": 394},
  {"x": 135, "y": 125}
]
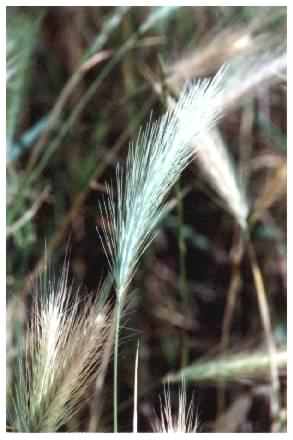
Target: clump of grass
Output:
[{"x": 63, "y": 353}]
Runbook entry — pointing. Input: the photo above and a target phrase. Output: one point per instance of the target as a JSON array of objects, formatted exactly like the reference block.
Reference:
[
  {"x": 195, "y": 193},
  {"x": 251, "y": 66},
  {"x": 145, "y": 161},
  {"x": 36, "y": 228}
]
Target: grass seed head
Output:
[
  {"x": 169, "y": 421},
  {"x": 64, "y": 350},
  {"x": 154, "y": 163}
]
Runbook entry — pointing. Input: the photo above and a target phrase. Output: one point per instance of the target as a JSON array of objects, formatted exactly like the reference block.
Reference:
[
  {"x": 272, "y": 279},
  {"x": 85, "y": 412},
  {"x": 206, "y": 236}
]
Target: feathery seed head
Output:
[
  {"x": 154, "y": 163},
  {"x": 217, "y": 165},
  {"x": 64, "y": 351},
  {"x": 243, "y": 75}
]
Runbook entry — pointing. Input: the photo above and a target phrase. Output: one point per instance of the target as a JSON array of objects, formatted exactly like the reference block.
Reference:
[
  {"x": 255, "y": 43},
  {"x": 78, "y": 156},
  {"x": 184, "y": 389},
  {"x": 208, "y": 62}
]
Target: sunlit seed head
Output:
[
  {"x": 171, "y": 420},
  {"x": 64, "y": 352}
]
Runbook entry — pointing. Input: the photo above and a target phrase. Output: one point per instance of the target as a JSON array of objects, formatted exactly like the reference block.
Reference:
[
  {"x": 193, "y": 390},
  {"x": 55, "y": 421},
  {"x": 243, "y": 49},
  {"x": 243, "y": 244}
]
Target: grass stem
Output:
[
  {"x": 116, "y": 349},
  {"x": 232, "y": 296},
  {"x": 267, "y": 326}
]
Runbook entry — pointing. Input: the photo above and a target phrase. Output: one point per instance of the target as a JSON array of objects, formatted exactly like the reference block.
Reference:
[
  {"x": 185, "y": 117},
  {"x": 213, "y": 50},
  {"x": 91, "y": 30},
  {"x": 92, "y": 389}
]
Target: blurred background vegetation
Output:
[{"x": 80, "y": 83}]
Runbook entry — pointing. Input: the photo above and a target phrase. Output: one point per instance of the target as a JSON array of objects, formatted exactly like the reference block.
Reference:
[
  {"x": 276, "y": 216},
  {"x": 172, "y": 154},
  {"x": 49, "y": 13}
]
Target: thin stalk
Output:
[
  {"x": 116, "y": 349},
  {"x": 232, "y": 296},
  {"x": 267, "y": 326},
  {"x": 135, "y": 406}
]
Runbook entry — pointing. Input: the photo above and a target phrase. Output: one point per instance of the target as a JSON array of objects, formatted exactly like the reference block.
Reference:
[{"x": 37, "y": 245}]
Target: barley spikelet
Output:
[
  {"x": 154, "y": 163},
  {"x": 64, "y": 350}
]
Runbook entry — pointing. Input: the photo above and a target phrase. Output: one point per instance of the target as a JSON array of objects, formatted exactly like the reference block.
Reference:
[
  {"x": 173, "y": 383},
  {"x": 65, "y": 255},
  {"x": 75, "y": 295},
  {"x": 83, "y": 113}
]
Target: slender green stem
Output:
[{"x": 116, "y": 348}]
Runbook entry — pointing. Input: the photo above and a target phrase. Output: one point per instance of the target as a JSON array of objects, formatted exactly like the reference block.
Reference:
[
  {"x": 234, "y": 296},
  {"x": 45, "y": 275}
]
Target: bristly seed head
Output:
[
  {"x": 63, "y": 355},
  {"x": 216, "y": 163},
  {"x": 154, "y": 164},
  {"x": 169, "y": 421}
]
